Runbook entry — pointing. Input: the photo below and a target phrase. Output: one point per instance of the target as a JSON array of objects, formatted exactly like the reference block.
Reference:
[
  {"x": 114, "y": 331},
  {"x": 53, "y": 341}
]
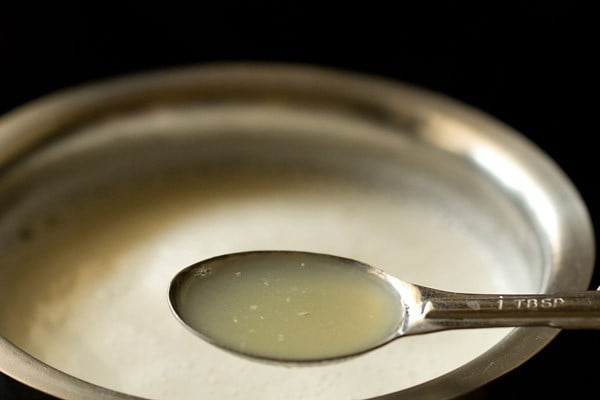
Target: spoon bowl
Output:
[
  {"x": 288, "y": 306},
  {"x": 302, "y": 307}
]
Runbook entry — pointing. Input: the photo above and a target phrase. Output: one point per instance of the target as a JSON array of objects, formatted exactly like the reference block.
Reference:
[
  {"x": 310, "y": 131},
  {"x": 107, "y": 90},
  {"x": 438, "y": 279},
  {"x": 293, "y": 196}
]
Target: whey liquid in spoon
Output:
[{"x": 287, "y": 306}]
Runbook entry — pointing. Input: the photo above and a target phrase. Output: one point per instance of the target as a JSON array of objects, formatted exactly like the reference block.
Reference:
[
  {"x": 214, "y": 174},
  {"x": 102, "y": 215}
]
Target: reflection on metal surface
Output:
[{"x": 523, "y": 186}]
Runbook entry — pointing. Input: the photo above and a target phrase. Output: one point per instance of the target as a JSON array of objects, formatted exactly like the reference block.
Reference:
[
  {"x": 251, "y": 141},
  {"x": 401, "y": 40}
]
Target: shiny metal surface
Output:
[
  {"x": 557, "y": 234},
  {"x": 432, "y": 310}
]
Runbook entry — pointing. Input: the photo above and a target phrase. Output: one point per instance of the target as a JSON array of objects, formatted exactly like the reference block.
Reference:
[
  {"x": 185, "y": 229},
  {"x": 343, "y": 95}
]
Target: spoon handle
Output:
[{"x": 446, "y": 310}]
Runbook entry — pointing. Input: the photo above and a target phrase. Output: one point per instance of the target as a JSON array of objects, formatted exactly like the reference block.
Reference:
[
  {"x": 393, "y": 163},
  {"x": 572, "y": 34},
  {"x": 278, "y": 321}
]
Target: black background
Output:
[{"x": 529, "y": 64}]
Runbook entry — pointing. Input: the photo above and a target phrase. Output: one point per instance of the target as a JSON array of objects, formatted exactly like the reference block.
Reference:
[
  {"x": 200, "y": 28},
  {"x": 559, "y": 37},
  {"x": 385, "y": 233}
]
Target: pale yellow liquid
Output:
[{"x": 289, "y": 306}]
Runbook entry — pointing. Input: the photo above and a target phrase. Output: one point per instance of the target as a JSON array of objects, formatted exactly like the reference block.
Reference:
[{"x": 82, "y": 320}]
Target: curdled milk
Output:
[{"x": 100, "y": 266}]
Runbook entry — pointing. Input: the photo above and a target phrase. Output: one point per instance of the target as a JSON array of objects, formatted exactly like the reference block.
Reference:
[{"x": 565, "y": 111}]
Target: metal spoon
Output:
[{"x": 419, "y": 309}]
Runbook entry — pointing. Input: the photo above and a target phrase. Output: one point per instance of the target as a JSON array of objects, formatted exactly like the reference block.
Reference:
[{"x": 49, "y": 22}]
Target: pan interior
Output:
[{"x": 94, "y": 226}]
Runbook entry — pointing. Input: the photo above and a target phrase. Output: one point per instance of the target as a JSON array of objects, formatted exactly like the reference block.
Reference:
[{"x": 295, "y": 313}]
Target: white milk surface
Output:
[{"x": 90, "y": 292}]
